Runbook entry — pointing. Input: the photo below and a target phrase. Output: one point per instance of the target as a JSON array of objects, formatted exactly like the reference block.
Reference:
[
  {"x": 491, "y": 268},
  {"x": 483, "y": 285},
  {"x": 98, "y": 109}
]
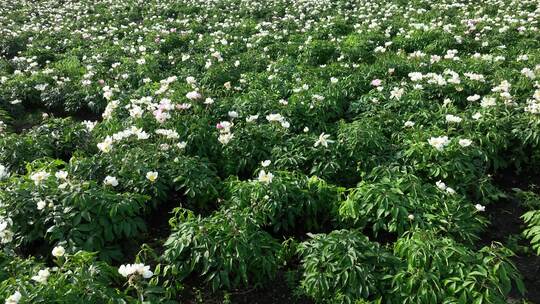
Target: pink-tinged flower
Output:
[
  {"x": 193, "y": 95},
  {"x": 376, "y": 82}
]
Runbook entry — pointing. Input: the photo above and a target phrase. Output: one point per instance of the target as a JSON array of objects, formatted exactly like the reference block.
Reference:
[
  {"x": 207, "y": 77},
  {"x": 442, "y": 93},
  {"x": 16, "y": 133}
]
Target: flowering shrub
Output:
[
  {"x": 227, "y": 249},
  {"x": 191, "y": 145},
  {"x": 77, "y": 278},
  {"x": 343, "y": 266}
]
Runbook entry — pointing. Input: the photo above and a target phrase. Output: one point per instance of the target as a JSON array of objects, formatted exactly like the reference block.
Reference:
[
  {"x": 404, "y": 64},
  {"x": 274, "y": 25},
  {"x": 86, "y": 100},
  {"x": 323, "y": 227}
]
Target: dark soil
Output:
[
  {"x": 506, "y": 222},
  {"x": 276, "y": 291}
]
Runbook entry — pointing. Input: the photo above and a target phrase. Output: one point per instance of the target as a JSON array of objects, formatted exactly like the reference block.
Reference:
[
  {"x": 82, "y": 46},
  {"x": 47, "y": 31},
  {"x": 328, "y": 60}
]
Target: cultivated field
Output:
[{"x": 270, "y": 151}]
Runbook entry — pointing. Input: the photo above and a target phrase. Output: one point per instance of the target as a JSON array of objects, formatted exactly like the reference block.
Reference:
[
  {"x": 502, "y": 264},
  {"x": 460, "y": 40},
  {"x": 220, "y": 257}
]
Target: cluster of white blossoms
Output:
[
  {"x": 139, "y": 269},
  {"x": 453, "y": 119},
  {"x": 107, "y": 144},
  {"x": 265, "y": 177},
  {"x": 444, "y": 187},
  {"x": 439, "y": 142},
  {"x": 6, "y": 235},
  {"x": 225, "y": 134},
  {"x": 42, "y": 276},
  {"x": 39, "y": 177},
  {"x": 533, "y": 105},
  {"x": 276, "y": 117}
]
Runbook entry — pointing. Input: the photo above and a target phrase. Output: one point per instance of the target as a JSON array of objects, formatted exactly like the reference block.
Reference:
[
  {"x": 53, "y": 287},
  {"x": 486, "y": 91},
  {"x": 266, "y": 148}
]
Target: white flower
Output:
[
  {"x": 488, "y": 102},
  {"x": 3, "y": 172},
  {"x": 474, "y": 97},
  {"x": 225, "y": 138},
  {"x": 61, "y": 174},
  {"x": 191, "y": 80},
  {"x": 441, "y": 185},
  {"x": 266, "y": 163},
  {"x": 152, "y": 176},
  {"x": 415, "y": 76},
  {"x": 42, "y": 276},
  {"x": 193, "y": 95},
  {"x": 14, "y": 298},
  {"x": 6, "y": 236},
  {"x": 409, "y": 124},
  {"x": 396, "y": 93},
  {"x": 3, "y": 225},
  {"x": 41, "y": 204},
  {"x": 58, "y": 251},
  {"x": 252, "y": 118},
  {"x": 135, "y": 269},
  {"x": 274, "y": 117},
  {"x": 439, "y": 142},
  {"x": 453, "y": 119},
  {"x": 181, "y": 145},
  {"x": 232, "y": 114},
  {"x": 477, "y": 116},
  {"x": 39, "y": 177},
  {"x": 465, "y": 142},
  {"x": 480, "y": 207},
  {"x": 410, "y": 217},
  {"x": 110, "y": 181},
  {"x": 323, "y": 140},
  {"x": 265, "y": 177},
  {"x": 333, "y": 80},
  {"x": 106, "y": 145}
]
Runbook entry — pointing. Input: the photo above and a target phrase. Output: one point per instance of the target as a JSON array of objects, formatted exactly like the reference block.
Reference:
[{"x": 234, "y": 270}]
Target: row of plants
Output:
[{"x": 349, "y": 148}]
